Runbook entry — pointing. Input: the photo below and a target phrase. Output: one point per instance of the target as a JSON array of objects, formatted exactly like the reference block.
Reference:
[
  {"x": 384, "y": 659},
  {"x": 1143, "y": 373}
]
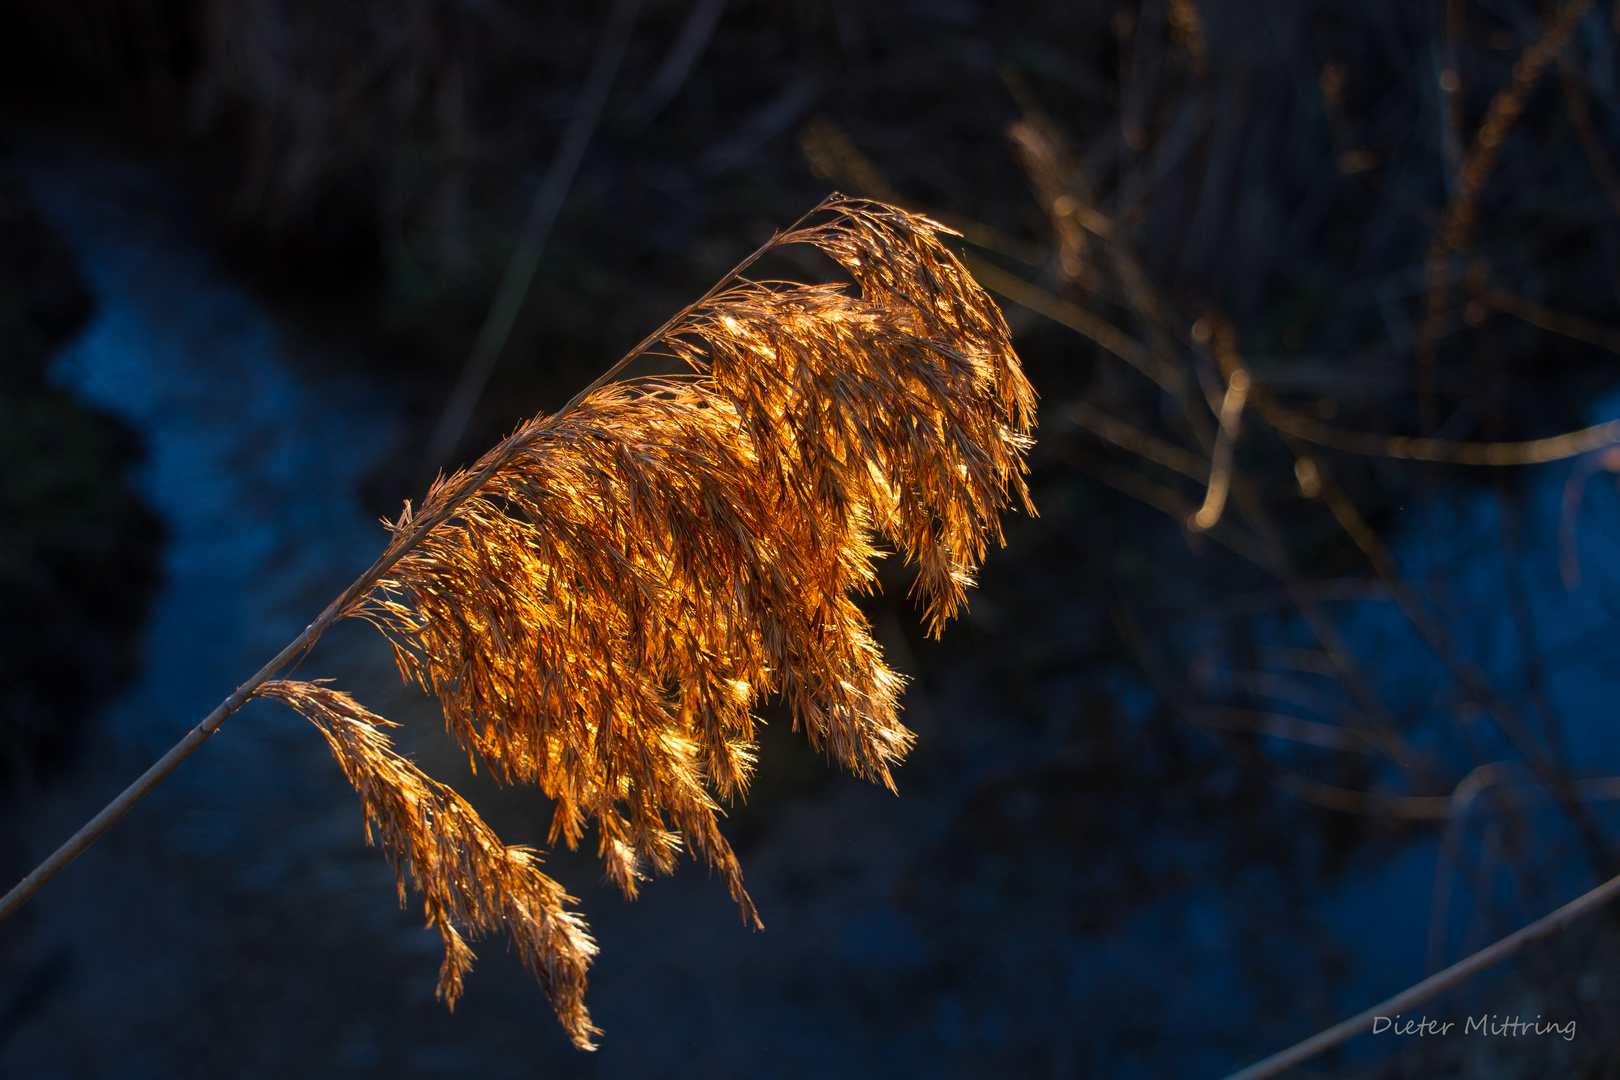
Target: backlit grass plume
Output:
[
  {"x": 601, "y": 600},
  {"x": 469, "y": 878}
]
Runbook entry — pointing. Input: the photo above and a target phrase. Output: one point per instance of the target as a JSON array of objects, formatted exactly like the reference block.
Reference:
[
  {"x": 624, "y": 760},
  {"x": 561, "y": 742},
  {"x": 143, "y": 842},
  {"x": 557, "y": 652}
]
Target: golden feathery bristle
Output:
[
  {"x": 470, "y": 880},
  {"x": 601, "y": 616},
  {"x": 601, "y": 601}
]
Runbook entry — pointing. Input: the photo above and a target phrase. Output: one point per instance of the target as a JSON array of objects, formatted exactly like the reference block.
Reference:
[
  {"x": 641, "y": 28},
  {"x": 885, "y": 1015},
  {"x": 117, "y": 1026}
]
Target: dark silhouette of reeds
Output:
[{"x": 602, "y": 599}]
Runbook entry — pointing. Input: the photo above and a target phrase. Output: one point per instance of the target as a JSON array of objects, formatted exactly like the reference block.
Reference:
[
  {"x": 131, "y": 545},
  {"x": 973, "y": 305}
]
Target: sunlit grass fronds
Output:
[
  {"x": 601, "y": 600},
  {"x": 637, "y": 573},
  {"x": 470, "y": 881}
]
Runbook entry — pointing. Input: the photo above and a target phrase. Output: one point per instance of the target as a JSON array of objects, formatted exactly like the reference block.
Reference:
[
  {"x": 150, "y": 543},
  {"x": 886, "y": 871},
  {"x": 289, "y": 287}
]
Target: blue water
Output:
[
  {"x": 1454, "y": 553},
  {"x": 255, "y": 472}
]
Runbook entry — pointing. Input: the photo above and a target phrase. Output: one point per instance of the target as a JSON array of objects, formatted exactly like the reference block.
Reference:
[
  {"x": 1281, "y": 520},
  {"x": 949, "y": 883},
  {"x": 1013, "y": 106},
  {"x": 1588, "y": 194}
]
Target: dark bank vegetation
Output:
[
  {"x": 1295, "y": 282},
  {"x": 78, "y": 550}
]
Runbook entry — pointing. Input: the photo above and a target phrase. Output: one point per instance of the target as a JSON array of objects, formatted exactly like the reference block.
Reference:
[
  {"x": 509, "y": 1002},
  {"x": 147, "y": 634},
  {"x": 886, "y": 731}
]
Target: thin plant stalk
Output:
[{"x": 531, "y": 242}]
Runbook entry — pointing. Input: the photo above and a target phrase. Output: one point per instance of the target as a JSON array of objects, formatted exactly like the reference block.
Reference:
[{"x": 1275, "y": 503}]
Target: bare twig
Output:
[
  {"x": 1140, "y": 443},
  {"x": 1575, "y": 99},
  {"x": 1076, "y": 318},
  {"x": 531, "y": 242},
  {"x": 1160, "y": 498},
  {"x": 1531, "y": 452},
  {"x": 1524, "y": 622},
  {"x": 1451, "y": 96},
  {"x": 1463, "y": 798},
  {"x": 1328, "y": 796},
  {"x": 1284, "y": 726},
  {"x": 1456, "y": 231},
  {"x": 681, "y": 59},
  {"x": 1280, "y": 563},
  {"x": 1555, "y": 322},
  {"x": 1220, "y": 468},
  {"x": 1468, "y": 676},
  {"x": 1380, "y": 726},
  {"x": 833, "y": 155},
  {"x": 762, "y": 126},
  {"x": 1569, "y": 552}
]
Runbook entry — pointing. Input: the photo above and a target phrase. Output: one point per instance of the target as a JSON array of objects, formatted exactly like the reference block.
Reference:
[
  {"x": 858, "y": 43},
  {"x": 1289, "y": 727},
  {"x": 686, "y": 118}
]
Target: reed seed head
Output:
[
  {"x": 469, "y": 879},
  {"x": 600, "y": 614}
]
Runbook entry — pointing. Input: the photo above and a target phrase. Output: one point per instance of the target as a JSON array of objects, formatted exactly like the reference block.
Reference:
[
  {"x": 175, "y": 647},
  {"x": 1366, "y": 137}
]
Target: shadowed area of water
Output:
[{"x": 254, "y": 470}]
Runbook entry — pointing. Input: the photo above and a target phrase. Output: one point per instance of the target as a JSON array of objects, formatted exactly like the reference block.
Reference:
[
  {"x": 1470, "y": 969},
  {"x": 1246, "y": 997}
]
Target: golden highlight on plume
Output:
[
  {"x": 601, "y": 601},
  {"x": 469, "y": 878}
]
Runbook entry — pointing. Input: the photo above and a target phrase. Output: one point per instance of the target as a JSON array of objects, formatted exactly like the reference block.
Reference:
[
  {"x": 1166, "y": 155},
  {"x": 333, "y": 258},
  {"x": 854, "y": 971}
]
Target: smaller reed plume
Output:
[
  {"x": 600, "y": 601},
  {"x": 469, "y": 878}
]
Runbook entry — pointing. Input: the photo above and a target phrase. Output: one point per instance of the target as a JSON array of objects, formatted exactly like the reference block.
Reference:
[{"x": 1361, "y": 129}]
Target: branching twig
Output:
[
  {"x": 1078, "y": 319},
  {"x": 1456, "y": 231},
  {"x": 1555, "y": 322},
  {"x": 1138, "y": 442}
]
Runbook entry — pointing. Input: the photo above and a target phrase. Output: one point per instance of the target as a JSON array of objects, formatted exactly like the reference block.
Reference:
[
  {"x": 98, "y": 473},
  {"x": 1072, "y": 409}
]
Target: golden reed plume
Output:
[
  {"x": 469, "y": 878},
  {"x": 602, "y": 599}
]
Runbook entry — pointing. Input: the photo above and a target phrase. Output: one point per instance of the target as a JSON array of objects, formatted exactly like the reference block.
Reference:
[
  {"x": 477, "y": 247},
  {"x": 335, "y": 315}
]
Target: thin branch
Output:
[
  {"x": 1220, "y": 468},
  {"x": 531, "y": 242},
  {"x": 1575, "y": 100},
  {"x": 1531, "y": 452},
  {"x": 1160, "y": 498},
  {"x": 1555, "y": 322},
  {"x": 681, "y": 59},
  {"x": 1456, "y": 231},
  {"x": 1380, "y": 724},
  {"x": 1434, "y": 985},
  {"x": 1434, "y": 633},
  {"x": 1076, "y": 318},
  {"x": 1569, "y": 555},
  {"x": 1138, "y": 442},
  {"x": 1530, "y": 649},
  {"x": 833, "y": 155},
  {"x": 1327, "y": 796},
  {"x": 1463, "y": 798},
  {"x": 1292, "y": 728}
]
